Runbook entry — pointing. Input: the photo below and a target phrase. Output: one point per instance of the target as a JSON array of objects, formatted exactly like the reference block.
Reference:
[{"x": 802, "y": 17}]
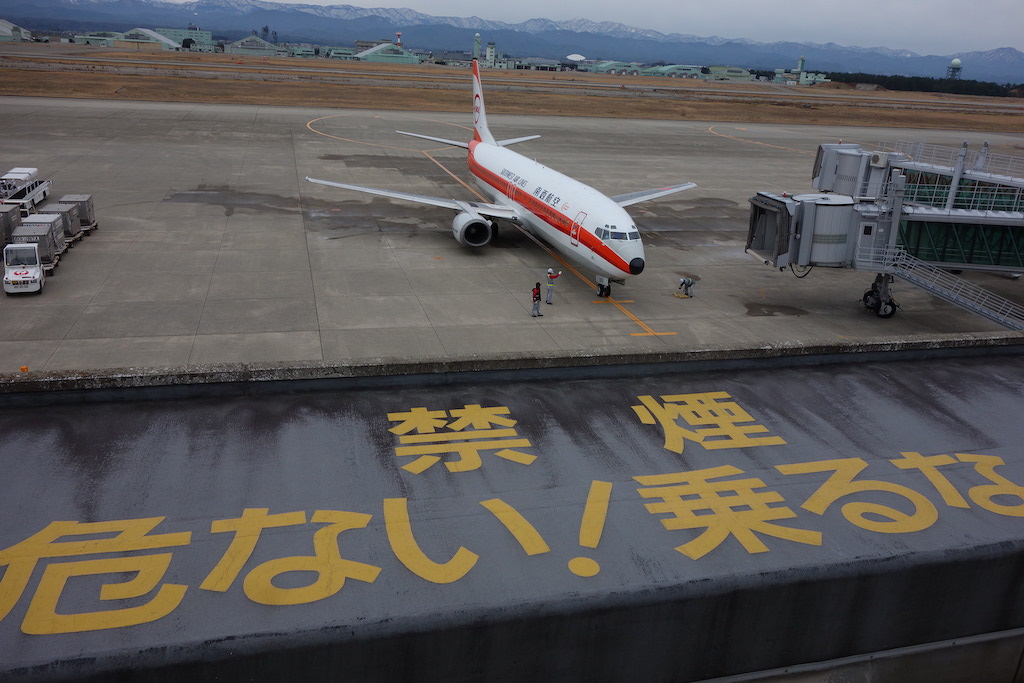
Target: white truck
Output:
[
  {"x": 22, "y": 186},
  {"x": 23, "y": 269}
]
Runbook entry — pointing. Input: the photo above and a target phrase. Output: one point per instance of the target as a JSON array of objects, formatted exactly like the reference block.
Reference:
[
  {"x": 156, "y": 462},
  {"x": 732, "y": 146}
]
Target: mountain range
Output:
[{"x": 342, "y": 25}]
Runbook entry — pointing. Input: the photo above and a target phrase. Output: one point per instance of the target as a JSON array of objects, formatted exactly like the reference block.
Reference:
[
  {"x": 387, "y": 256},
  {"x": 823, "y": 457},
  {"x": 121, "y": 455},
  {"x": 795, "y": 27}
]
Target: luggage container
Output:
[
  {"x": 69, "y": 213},
  {"x": 86, "y": 209},
  {"x": 40, "y": 235},
  {"x": 53, "y": 222},
  {"x": 10, "y": 218}
]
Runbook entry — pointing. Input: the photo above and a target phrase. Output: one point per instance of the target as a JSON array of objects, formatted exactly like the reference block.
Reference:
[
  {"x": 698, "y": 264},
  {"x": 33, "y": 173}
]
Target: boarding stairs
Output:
[{"x": 942, "y": 284}]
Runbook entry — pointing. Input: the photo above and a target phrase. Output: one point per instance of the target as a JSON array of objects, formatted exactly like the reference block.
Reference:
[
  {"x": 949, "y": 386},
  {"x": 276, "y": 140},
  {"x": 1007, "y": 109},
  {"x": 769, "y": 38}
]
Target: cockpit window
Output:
[{"x": 634, "y": 235}]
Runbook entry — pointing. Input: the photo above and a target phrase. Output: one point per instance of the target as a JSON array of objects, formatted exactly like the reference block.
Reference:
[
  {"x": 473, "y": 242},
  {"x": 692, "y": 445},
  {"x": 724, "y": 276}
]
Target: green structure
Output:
[
  {"x": 144, "y": 39},
  {"x": 388, "y": 53},
  {"x": 729, "y": 73},
  {"x": 675, "y": 71},
  {"x": 191, "y": 39},
  {"x": 617, "y": 68},
  {"x": 10, "y": 33},
  {"x": 255, "y": 46},
  {"x": 962, "y": 207}
]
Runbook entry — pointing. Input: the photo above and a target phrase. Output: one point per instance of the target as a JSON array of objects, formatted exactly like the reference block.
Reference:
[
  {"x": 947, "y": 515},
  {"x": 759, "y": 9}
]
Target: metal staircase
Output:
[{"x": 946, "y": 286}]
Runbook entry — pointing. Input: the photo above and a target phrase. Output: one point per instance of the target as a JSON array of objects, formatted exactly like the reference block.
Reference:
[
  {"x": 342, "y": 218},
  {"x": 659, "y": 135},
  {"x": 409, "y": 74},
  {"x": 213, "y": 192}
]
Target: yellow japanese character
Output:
[
  {"x": 247, "y": 529},
  {"x": 863, "y": 514},
  {"x": 719, "y": 421},
  {"x": 330, "y": 568},
  {"x": 722, "y": 508},
  {"x": 421, "y": 420},
  {"x": 129, "y": 535},
  {"x": 429, "y": 445},
  {"x": 408, "y": 552},
  {"x": 985, "y": 465},
  {"x": 479, "y": 417},
  {"x": 929, "y": 467}
]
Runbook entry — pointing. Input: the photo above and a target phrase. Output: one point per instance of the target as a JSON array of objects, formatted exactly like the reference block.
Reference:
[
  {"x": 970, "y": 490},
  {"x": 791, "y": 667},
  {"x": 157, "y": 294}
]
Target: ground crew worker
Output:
[
  {"x": 552, "y": 276},
  {"x": 686, "y": 284},
  {"x": 536, "y": 302}
]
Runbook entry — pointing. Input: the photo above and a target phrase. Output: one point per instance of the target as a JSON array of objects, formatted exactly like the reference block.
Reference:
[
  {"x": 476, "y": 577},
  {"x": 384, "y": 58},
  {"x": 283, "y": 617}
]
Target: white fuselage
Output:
[{"x": 580, "y": 222}]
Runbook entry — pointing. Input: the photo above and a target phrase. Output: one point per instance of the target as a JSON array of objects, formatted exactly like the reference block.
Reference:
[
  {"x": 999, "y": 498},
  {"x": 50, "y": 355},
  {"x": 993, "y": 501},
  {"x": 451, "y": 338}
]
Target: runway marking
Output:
[
  {"x": 309, "y": 125},
  {"x": 711, "y": 129},
  {"x": 647, "y": 330}
]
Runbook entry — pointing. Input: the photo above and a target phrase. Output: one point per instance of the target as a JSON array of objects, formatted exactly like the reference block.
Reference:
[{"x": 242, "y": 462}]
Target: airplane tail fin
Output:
[{"x": 480, "y": 130}]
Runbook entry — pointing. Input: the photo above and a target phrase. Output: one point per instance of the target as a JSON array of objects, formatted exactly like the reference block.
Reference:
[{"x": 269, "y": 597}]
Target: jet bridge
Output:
[{"x": 901, "y": 213}]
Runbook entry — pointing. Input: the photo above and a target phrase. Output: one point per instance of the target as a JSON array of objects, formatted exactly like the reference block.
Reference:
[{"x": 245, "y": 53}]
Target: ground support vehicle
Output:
[
  {"x": 42, "y": 234},
  {"x": 23, "y": 269},
  {"x": 23, "y": 188}
]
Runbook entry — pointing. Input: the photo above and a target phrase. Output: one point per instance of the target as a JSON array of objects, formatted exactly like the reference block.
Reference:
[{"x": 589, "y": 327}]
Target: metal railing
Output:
[
  {"x": 942, "y": 284},
  {"x": 970, "y": 195},
  {"x": 937, "y": 155}
]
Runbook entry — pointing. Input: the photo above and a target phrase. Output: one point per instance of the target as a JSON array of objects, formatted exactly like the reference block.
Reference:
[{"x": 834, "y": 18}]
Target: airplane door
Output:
[{"x": 574, "y": 231}]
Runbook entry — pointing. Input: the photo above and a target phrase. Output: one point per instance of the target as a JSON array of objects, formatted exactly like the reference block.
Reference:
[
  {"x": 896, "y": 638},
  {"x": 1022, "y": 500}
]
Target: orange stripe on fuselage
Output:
[{"x": 544, "y": 211}]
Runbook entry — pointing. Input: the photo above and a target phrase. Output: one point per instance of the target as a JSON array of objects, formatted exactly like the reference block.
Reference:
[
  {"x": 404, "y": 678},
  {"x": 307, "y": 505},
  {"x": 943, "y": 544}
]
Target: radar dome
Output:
[{"x": 955, "y": 62}]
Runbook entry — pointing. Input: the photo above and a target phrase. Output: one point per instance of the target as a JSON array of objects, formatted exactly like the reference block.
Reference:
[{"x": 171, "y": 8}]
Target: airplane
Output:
[{"x": 587, "y": 227}]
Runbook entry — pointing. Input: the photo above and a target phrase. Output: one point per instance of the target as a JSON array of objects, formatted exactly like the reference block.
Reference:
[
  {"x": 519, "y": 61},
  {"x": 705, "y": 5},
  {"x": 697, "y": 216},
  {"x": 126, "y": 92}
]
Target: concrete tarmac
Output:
[{"x": 212, "y": 249}]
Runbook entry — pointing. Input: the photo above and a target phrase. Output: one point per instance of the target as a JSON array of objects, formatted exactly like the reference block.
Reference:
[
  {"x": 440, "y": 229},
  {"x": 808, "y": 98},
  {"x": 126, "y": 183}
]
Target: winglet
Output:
[{"x": 480, "y": 130}]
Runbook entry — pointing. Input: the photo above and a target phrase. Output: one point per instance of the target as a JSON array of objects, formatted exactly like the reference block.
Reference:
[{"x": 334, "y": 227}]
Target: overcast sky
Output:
[{"x": 939, "y": 27}]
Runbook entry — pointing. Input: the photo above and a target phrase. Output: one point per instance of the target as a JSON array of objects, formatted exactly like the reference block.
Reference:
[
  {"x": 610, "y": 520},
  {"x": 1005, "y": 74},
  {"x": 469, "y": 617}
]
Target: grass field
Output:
[{"x": 61, "y": 70}]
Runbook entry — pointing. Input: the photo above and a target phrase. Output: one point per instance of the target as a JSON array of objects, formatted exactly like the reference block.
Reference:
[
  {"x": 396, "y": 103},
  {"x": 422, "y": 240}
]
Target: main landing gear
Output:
[{"x": 879, "y": 297}]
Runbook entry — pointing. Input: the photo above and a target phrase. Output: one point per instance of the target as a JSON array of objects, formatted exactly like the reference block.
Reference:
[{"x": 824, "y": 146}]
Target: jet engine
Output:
[{"x": 472, "y": 230}]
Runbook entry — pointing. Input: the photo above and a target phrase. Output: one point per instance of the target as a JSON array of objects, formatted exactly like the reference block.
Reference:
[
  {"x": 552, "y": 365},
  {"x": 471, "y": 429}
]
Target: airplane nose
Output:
[{"x": 636, "y": 266}]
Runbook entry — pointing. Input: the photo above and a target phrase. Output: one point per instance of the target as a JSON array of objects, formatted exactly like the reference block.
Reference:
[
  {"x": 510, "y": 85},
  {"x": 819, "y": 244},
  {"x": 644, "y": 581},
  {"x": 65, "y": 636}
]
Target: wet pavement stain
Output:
[
  {"x": 760, "y": 309},
  {"x": 231, "y": 200}
]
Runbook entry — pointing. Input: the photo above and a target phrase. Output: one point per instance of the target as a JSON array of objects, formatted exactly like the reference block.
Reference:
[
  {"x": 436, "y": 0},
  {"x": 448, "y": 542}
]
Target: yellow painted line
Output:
[
  {"x": 765, "y": 144},
  {"x": 456, "y": 178},
  {"x": 712, "y": 130},
  {"x": 309, "y": 125},
  {"x": 648, "y": 331}
]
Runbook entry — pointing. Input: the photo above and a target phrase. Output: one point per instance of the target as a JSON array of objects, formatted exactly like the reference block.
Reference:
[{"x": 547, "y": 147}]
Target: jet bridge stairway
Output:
[{"x": 895, "y": 261}]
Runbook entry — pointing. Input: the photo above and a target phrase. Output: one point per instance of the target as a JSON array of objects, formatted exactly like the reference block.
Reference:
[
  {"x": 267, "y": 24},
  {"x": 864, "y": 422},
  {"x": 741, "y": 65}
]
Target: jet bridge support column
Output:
[{"x": 879, "y": 298}]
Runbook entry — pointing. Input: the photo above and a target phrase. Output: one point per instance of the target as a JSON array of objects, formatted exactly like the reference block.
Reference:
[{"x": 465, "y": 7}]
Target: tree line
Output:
[{"x": 954, "y": 86}]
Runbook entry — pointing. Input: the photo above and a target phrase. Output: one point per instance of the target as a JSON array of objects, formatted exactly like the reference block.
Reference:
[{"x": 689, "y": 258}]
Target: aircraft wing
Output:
[
  {"x": 644, "y": 195},
  {"x": 489, "y": 210}
]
